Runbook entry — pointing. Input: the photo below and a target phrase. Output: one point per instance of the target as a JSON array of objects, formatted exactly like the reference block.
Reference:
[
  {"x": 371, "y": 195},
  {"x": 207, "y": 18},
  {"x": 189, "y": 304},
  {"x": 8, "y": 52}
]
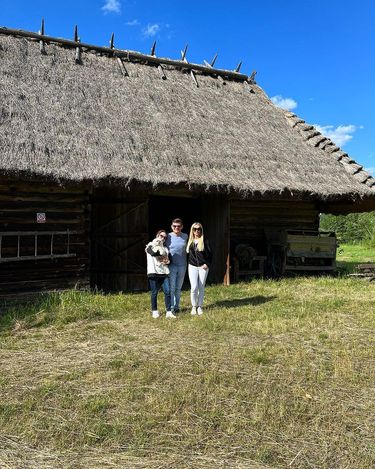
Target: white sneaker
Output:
[
  {"x": 155, "y": 314},
  {"x": 200, "y": 311},
  {"x": 170, "y": 315},
  {"x": 193, "y": 311}
]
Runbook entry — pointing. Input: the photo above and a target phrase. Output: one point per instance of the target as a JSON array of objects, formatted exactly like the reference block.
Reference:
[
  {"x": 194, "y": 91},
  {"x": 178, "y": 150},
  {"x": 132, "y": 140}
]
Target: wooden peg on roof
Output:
[
  {"x": 214, "y": 60},
  {"x": 252, "y": 77},
  {"x": 112, "y": 41},
  {"x": 160, "y": 68},
  {"x": 184, "y": 59},
  {"x": 211, "y": 64},
  {"x": 183, "y": 53},
  {"x": 78, "y": 58},
  {"x": 163, "y": 76},
  {"x": 123, "y": 69},
  {"x": 41, "y": 42},
  {"x": 238, "y": 68}
]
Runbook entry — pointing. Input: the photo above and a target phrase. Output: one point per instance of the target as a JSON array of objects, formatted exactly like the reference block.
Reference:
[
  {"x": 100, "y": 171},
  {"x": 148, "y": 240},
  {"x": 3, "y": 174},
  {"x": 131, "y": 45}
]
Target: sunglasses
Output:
[
  {"x": 162, "y": 236},
  {"x": 197, "y": 229},
  {"x": 176, "y": 226}
]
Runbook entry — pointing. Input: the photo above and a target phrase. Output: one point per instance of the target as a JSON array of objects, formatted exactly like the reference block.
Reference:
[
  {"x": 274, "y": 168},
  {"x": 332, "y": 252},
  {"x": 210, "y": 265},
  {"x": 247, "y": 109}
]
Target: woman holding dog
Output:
[{"x": 158, "y": 273}]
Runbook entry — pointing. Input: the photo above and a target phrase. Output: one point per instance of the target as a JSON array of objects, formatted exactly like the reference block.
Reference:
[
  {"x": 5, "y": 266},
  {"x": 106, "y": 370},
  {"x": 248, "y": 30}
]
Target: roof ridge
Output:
[
  {"x": 131, "y": 56},
  {"x": 316, "y": 139}
]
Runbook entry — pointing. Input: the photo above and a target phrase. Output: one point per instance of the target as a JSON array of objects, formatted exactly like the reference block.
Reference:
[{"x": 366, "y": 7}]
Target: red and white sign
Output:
[{"x": 41, "y": 218}]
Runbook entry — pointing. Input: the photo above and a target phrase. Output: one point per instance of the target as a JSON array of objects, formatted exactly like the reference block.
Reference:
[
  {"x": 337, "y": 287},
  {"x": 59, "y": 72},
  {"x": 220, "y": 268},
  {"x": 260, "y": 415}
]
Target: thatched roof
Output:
[{"x": 91, "y": 121}]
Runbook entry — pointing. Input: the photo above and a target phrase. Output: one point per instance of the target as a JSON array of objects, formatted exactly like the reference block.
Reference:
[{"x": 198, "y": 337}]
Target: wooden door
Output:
[
  {"x": 215, "y": 220},
  {"x": 119, "y": 234}
]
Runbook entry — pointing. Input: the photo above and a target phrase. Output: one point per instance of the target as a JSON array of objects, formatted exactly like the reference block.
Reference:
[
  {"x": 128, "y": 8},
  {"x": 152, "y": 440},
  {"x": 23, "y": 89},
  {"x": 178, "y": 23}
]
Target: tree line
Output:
[{"x": 352, "y": 228}]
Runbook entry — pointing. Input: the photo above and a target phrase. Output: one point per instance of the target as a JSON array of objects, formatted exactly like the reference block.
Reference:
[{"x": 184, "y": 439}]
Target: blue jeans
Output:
[
  {"x": 157, "y": 283},
  {"x": 176, "y": 276}
]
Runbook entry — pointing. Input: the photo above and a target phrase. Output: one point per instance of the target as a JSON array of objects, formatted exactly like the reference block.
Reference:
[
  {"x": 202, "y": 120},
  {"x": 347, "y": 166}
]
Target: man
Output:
[{"x": 176, "y": 243}]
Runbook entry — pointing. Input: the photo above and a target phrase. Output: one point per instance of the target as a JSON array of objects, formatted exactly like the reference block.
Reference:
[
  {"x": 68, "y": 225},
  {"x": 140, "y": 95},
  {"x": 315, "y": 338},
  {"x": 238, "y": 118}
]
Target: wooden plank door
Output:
[
  {"x": 215, "y": 220},
  {"x": 118, "y": 237}
]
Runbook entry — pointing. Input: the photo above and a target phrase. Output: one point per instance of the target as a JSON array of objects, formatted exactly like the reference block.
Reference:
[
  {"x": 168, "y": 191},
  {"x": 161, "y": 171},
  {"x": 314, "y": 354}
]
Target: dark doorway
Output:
[
  {"x": 211, "y": 210},
  {"x": 162, "y": 210}
]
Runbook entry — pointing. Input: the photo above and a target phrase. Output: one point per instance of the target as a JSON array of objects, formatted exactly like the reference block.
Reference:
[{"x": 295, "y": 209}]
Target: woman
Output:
[
  {"x": 158, "y": 273},
  {"x": 199, "y": 259}
]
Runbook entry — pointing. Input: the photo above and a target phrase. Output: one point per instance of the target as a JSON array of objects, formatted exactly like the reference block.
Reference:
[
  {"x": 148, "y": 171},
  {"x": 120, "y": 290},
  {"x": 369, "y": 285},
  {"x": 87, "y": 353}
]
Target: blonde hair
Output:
[{"x": 200, "y": 246}]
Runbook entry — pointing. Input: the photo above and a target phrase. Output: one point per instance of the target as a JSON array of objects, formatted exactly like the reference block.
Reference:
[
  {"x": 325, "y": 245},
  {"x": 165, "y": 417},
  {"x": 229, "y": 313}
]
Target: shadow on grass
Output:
[
  {"x": 237, "y": 302},
  {"x": 346, "y": 267}
]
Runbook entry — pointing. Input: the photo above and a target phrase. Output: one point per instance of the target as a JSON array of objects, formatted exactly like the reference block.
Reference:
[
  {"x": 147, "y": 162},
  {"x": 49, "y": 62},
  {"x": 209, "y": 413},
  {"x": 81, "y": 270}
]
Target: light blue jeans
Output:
[{"x": 176, "y": 278}]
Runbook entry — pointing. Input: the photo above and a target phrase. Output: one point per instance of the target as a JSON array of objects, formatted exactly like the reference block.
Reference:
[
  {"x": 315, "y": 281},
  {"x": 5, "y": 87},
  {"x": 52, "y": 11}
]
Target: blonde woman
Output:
[{"x": 199, "y": 259}]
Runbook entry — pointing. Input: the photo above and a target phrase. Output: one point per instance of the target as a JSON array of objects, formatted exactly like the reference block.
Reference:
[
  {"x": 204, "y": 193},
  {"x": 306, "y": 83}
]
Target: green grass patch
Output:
[
  {"x": 274, "y": 374},
  {"x": 350, "y": 255}
]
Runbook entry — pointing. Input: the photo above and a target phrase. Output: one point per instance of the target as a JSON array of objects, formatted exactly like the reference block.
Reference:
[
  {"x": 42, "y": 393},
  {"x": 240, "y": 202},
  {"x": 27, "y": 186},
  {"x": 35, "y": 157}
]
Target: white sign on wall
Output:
[{"x": 41, "y": 218}]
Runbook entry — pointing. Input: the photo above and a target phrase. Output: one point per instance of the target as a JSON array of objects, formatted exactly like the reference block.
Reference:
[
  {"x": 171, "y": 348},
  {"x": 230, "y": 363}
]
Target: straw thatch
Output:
[{"x": 90, "y": 121}]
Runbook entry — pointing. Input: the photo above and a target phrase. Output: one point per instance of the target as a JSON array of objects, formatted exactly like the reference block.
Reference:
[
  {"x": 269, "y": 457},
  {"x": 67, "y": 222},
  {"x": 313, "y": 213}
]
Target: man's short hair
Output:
[{"x": 177, "y": 220}]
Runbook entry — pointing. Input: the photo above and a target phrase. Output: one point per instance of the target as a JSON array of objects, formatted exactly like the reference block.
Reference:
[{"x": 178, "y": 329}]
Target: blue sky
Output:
[{"x": 314, "y": 57}]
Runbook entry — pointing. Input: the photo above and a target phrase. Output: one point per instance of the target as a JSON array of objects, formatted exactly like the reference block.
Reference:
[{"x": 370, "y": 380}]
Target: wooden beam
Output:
[{"x": 129, "y": 55}]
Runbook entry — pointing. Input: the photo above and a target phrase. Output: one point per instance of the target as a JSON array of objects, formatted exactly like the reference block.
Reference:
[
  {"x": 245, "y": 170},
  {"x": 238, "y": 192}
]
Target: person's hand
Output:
[{"x": 205, "y": 267}]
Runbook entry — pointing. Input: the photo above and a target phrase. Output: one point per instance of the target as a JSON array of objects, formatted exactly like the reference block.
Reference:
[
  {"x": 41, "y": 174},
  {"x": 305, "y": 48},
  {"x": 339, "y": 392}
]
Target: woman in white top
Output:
[{"x": 158, "y": 273}]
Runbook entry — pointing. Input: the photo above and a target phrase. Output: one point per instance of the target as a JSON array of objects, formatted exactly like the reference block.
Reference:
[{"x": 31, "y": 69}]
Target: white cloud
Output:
[
  {"x": 134, "y": 22},
  {"x": 285, "y": 103},
  {"x": 112, "y": 6},
  {"x": 151, "y": 30},
  {"x": 340, "y": 135}
]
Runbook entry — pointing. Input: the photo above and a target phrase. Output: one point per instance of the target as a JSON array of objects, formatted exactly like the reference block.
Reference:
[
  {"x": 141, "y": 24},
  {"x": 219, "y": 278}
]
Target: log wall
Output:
[
  {"x": 249, "y": 219},
  {"x": 66, "y": 208}
]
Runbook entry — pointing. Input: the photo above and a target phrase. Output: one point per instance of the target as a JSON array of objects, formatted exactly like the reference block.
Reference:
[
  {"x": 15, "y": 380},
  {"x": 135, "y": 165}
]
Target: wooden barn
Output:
[{"x": 100, "y": 147}]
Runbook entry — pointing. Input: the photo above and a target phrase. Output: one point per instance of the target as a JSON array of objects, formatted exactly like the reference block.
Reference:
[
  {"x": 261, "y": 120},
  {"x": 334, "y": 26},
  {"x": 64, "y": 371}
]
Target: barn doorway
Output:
[
  {"x": 162, "y": 210},
  {"x": 122, "y": 222},
  {"x": 211, "y": 210}
]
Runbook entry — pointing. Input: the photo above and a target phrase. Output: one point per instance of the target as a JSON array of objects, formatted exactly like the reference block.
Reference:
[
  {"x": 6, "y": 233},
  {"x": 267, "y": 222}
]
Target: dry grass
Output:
[{"x": 275, "y": 374}]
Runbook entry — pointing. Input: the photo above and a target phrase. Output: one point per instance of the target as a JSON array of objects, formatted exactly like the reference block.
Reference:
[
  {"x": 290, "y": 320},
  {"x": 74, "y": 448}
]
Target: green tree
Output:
[{"x": 351, "y": 228}]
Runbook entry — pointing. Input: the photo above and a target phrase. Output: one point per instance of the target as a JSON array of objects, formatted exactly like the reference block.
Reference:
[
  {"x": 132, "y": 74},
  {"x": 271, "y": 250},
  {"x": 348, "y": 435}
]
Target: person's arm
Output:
[{"x": 150, "y": 251}]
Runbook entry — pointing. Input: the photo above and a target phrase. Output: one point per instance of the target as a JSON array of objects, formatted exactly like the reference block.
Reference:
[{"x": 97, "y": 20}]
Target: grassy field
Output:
[
  {"x": 349, "y": 255},
  {"x": 275, "y": 374}
]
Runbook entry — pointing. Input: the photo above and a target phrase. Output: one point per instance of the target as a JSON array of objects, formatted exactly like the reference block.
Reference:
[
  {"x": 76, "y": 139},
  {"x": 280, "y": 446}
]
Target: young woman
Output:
[
  {"x": 199, "y": 259},
  {"x": 158, "y": 273}
]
